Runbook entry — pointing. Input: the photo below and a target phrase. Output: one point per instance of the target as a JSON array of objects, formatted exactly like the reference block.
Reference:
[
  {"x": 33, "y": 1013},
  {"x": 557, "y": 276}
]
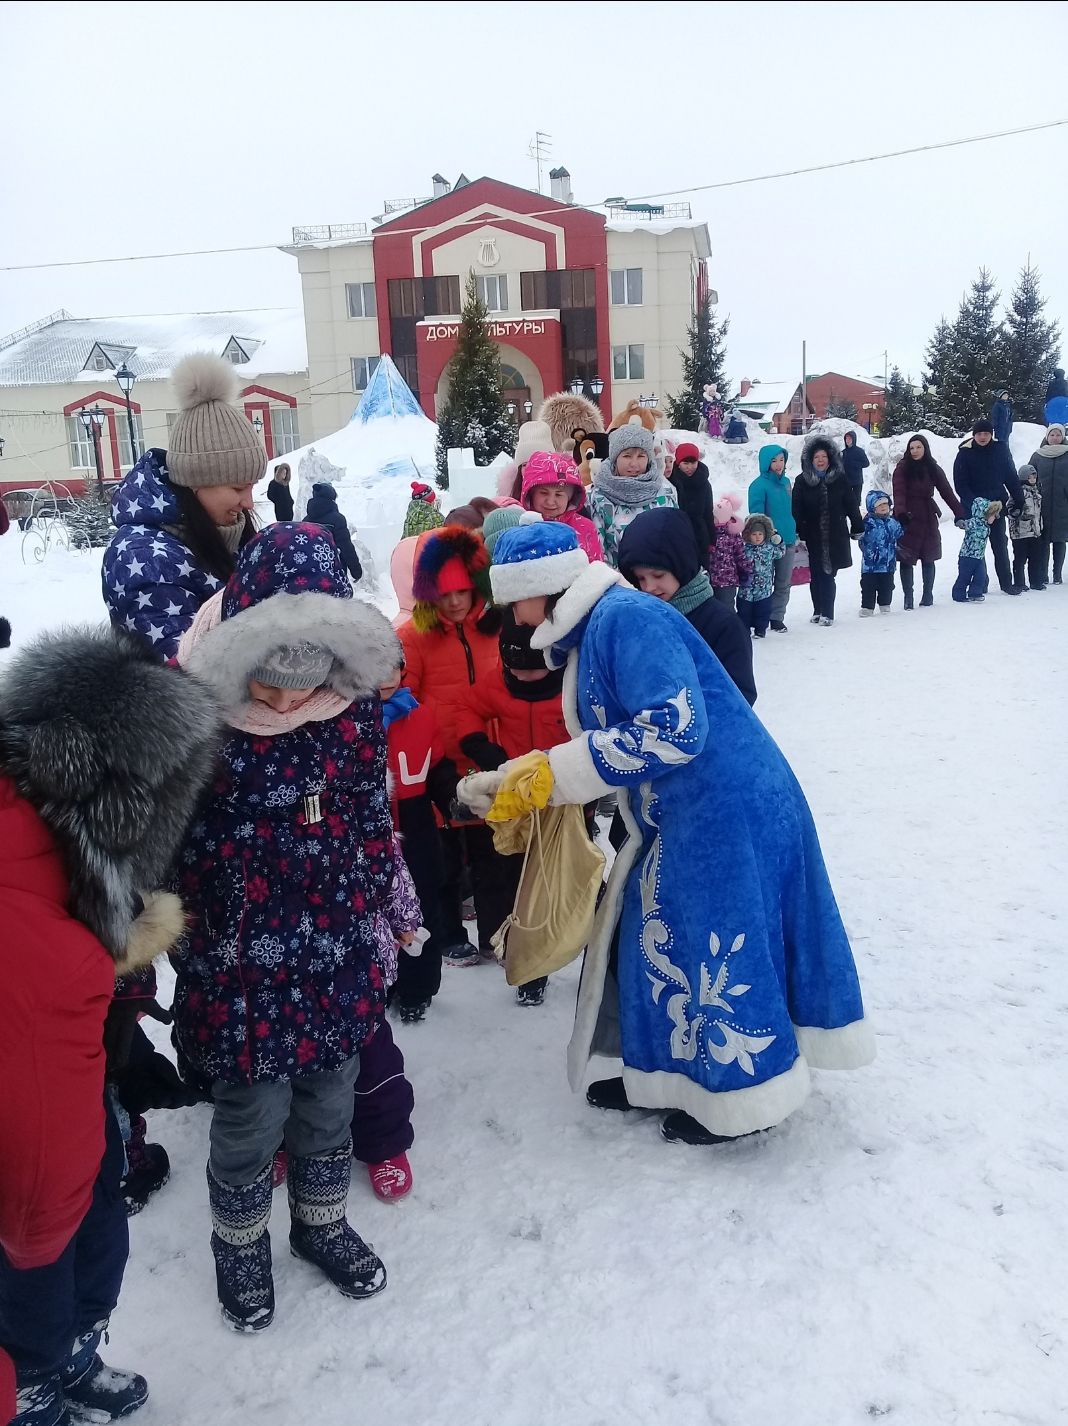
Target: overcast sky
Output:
[{"x": 148, "y": 128}]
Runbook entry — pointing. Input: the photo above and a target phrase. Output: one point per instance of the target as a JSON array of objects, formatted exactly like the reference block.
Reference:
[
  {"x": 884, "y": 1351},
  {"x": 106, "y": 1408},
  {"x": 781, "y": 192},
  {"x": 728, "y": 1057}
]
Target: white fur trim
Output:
[
  {"x": 849, "y": 1047},
  {"x": 364, "y": 644},
  {"x": 577, "y": 601},
  {"x": 575, "y": 779},
  {"x": 730, "y": 1111},
  {"x": 569, "y": 698},
  {"x": 595, "y": 963},
  {"x": 526, "y": 579}
]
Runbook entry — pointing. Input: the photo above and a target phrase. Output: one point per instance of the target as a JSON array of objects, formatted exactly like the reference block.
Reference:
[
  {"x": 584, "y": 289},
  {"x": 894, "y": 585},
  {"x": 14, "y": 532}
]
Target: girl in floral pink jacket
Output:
[{"x": 553, "y": 487}]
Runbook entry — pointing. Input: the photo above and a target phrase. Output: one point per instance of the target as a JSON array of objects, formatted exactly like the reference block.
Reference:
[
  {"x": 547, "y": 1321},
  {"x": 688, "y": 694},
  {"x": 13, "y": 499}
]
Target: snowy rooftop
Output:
[
  {"x": 768, "y": 396},
  {"x": 273, "y": 339}
]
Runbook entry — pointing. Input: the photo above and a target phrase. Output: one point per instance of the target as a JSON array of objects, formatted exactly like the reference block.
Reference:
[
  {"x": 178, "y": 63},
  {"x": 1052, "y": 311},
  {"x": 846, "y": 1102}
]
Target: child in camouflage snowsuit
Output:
[
  {"x": 763, "y": 547},
  {"x": 972, "y": 579}
]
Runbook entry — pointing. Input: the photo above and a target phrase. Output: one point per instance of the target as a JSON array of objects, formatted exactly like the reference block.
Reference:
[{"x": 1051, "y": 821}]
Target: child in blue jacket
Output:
[
  {"x": 764, "y": 547},
  {"x": 878, "y": 549},
  {"x": 972, "y": 579}
]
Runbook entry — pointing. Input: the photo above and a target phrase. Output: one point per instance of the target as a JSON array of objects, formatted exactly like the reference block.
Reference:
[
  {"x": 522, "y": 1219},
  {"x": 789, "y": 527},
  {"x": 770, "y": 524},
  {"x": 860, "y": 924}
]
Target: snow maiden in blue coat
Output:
[
  {"x": 285, "y": 875},
  {"x": 718, "y": 968},
  {"x": 183, "y": 513}
]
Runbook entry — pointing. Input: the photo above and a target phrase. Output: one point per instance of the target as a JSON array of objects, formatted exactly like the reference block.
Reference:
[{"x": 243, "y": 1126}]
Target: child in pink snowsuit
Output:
[{"x": 553, "y": 487}]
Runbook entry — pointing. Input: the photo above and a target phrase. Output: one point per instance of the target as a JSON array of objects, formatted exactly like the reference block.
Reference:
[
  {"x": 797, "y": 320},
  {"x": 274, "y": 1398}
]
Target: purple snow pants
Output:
[{"x": 382, "y": 1121}]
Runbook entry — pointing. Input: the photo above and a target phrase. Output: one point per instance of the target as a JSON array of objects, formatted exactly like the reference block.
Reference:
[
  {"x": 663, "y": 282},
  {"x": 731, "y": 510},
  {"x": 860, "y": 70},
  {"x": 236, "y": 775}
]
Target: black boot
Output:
[
  {"x": 608, "y": 1094},
  {"x": 320, "y": 1233},
  {"x": 148, "y": 1169},
  {"x": 679, "y": 1128},
  {"x": 907, "y": 583},
  {"x": 242, "y": 1248},
  {"x": 96, "y": 1392},
  {"x": 928, "y": 585}
]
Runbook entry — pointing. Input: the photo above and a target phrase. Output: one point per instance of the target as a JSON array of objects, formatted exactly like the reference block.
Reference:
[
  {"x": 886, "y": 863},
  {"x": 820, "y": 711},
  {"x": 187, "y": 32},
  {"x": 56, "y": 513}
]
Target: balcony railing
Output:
[
  {"x": 649, "y": 212},
  {"x": 329, "y": 232}
]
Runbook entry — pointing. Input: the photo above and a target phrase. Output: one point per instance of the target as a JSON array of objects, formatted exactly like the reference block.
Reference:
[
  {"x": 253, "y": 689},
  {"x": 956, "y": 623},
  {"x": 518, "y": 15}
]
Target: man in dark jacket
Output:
[
  {"x": 1058, "y": 386},
  {"x": 984, "y": 468},
  {"x": 694, "y": 489},
  {"x": 322, "y": 510},
  {"x": 658, "y": 554},
  {"x": 854, "y": 462}
]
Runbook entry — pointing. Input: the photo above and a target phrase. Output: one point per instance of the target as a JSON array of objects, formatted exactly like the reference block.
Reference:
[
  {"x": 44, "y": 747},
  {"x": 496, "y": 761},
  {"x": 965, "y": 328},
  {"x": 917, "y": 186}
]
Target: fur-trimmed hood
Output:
[
  {"x": 759, "y": 522},
  {"x": 812, "y": 445},
  {"x": 111, "y": 748},
  {"x": 562, "y": 412},
  {"x": 289, "y": 587}
]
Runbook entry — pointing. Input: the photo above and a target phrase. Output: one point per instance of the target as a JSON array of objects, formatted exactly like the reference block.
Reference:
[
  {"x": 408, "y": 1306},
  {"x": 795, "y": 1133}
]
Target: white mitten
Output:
[{"x": 478, "y": 790}]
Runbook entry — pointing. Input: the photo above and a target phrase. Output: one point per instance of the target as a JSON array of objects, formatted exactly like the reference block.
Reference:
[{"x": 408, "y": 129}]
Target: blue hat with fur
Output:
[{"x": 531, "y": 560}]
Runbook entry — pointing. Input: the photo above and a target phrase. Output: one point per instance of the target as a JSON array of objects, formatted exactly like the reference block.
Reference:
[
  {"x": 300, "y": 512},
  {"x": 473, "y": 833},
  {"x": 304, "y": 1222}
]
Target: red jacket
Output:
[
  {"x": 415, "y": 746},
  {"x": 57, "y": 984},
  {"x": 442, "y": 663},
  {"x": 516, "y": 725}
]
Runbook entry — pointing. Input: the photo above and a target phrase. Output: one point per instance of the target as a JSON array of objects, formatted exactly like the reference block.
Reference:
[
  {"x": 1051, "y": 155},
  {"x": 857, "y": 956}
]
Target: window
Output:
[
  {"x": 408, "y": 366},
  {"x": 625, "y": 286},
  {"x": 628, "y": 363},
  {"x": 543, "y": 291},
  {"x": 494, "y": 292},
  {"x": 441, "y": 296},
  {"x": 81, "y": 445},
  {"x": 360, "y": 298},
  {"x": 125, "y": 454},
  {"x": 285, "y": 430},
  {"x": 403, "y": 299},
  {"x": 362, "y": 371},
  {"x": 101, "y": 363}
]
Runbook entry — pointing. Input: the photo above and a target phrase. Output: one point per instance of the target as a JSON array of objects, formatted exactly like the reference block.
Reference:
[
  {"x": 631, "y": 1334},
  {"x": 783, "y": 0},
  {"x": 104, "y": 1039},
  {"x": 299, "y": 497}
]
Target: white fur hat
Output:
[{"x": 533, "y": 436}]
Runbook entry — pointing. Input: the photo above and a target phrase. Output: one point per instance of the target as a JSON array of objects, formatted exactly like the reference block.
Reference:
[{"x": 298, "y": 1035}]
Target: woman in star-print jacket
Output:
[
  {"x": 284, "y": 874},
  {"x": 184, "y": 513}
]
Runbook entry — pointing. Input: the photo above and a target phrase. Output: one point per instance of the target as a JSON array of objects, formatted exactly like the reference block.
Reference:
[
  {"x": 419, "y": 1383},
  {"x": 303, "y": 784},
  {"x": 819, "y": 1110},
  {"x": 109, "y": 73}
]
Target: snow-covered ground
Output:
[{"x": 896, "y": 1250}]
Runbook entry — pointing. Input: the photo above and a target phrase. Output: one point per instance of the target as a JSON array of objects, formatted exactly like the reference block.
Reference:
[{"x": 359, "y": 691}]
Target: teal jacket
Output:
[{"x": 770, "y": 495}]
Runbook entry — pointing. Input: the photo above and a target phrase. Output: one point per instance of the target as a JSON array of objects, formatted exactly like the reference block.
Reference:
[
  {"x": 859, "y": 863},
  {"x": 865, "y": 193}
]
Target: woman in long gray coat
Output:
[{"x": 1051, "y": 463}]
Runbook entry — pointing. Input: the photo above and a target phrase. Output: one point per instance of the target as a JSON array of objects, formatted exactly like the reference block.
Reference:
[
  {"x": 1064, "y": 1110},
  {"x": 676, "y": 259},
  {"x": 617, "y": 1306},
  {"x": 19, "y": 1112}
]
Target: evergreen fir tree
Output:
[
  {"x": 843, "y": 409},
  {"x": 939, "y": 350},
  {"x": 474, "y": 414},
  {"x": 702, "y": 365},
  {"x": 970, "y": 380},
  {"x": 1029, "y": 348},
  {"x": 901, "y": 410}
]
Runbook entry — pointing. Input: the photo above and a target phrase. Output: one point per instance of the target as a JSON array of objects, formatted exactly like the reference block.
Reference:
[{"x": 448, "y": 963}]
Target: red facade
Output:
[{"x": 404, "y": 247}]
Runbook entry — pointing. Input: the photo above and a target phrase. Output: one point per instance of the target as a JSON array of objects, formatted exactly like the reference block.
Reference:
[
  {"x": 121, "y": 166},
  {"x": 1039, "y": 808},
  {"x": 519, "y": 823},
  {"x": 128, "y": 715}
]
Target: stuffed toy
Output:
[
  {"x": 590, "y": 449},
  {"x": 637, "y": 414},
  {"x": 712, "y": 410},
  {"x": 725, "y": 513},
  {"x": 563, "y": 412}
]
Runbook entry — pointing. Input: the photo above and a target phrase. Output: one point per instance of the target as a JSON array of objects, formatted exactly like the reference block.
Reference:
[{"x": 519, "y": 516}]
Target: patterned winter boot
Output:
[
  {"x": 148, "y": 1168},
  {"x": 320, "y": 1232},
  {"x": 242, "y": 1249},
  {"x": 95, "y": 1392},
  {"x": 39, "y": 1401}
]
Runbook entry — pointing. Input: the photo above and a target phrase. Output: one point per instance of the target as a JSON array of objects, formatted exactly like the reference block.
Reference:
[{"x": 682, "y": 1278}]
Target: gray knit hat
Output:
[
  {"x": 626, "y": 438},
  {"x": 303, "y": 665},
  {"x": 212, "y": 442}
]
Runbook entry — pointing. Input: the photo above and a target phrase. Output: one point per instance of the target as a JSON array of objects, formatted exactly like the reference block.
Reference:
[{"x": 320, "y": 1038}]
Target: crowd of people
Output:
[{"x": 260, "y": 774}]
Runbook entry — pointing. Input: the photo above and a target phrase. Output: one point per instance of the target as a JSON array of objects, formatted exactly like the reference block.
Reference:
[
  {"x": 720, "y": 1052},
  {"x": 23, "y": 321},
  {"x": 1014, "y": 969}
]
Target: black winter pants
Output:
[
  {"x": 1058, "y": 547},
  {"x": 823, "y": 589},
  {"x": 493, "y": 883},
  {"x": 877, "y": 587},
  {"x": 43, "y": 1310},
  {"x": 1027, "y": 555},
  {"x": 999, "y": 545},
  {"x": 419, "y": 977}
]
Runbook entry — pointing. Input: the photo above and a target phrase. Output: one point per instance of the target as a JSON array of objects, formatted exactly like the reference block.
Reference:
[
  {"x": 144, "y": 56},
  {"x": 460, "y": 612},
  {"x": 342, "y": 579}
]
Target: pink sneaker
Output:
[
  {"x": 279, "y": 1168},
  {"x": 391, "y": 1179}
]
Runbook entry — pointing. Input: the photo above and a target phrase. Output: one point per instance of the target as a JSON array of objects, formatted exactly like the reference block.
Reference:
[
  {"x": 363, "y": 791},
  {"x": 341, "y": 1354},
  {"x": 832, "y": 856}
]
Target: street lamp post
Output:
[
  {"x": 577, "y": 386},
  {"x": 92, "y": 422},
  {"x": 528, "y": 407},
  {"x": 648, "y": 402},
  {"x": 125, "y": 377}
]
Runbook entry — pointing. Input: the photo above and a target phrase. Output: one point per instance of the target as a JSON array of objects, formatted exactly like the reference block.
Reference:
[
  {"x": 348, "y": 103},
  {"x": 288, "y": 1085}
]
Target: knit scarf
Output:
[
  {"x": 252, "y": 716},
  {"x": 629, "y": 490},
  {"x": 692, "y": 595}
]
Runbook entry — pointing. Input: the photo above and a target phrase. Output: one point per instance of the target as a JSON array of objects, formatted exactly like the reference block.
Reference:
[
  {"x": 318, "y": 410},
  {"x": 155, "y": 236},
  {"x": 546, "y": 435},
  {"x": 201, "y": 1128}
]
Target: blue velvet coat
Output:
[{"x": 734, "y": 969}]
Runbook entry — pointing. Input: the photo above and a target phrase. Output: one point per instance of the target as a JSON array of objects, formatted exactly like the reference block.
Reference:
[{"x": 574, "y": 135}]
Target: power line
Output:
[
  {"x": 550, "y": 212},
  {"x": 850, "y": 162}
]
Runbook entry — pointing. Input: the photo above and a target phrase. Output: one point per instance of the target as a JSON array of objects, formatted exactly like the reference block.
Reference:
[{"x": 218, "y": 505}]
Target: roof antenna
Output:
[{"x": 539, "y": 148}]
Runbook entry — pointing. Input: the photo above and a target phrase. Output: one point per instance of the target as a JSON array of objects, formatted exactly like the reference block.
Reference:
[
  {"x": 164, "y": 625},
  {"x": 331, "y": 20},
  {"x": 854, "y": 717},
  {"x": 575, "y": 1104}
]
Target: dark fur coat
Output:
[{"x": 112, "y": 750}]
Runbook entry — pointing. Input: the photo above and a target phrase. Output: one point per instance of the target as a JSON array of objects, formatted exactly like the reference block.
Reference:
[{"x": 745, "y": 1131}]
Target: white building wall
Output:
[
  {"x": 669, "y": 263},
  {"x": 334, "y": 337}
]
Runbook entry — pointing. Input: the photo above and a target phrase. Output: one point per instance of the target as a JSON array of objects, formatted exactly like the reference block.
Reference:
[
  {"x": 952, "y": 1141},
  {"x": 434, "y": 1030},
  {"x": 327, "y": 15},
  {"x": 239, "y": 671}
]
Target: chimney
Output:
[
  {"x": 441, "y": 185},
  {"x": 745, "y": 387},
  {"x": 560, "y": 185}
]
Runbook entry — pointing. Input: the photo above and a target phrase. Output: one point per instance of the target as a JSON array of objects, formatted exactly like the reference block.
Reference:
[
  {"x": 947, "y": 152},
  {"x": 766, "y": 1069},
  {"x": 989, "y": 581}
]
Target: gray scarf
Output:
[
  {"x": 232, "y": 535},
  {"x": 629, "y": 490}
]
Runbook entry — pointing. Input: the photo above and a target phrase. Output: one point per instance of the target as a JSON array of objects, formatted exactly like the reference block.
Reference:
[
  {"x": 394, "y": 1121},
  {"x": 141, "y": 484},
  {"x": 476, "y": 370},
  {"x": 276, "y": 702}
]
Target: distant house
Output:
[
  {"x": 774, "y": 405},
  {"x": 865, "y": 392},
  {"x": 57, "y": 367}
]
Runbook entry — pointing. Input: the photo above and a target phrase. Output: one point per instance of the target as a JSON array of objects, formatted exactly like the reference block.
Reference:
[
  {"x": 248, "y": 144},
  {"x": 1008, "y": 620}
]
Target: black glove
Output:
[
  {"x": 483, "y": 752},
  {"x": 152, "y": 1082},
  {"x": 961, "y": 524},
  {"x": 903, "y": 521}
]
